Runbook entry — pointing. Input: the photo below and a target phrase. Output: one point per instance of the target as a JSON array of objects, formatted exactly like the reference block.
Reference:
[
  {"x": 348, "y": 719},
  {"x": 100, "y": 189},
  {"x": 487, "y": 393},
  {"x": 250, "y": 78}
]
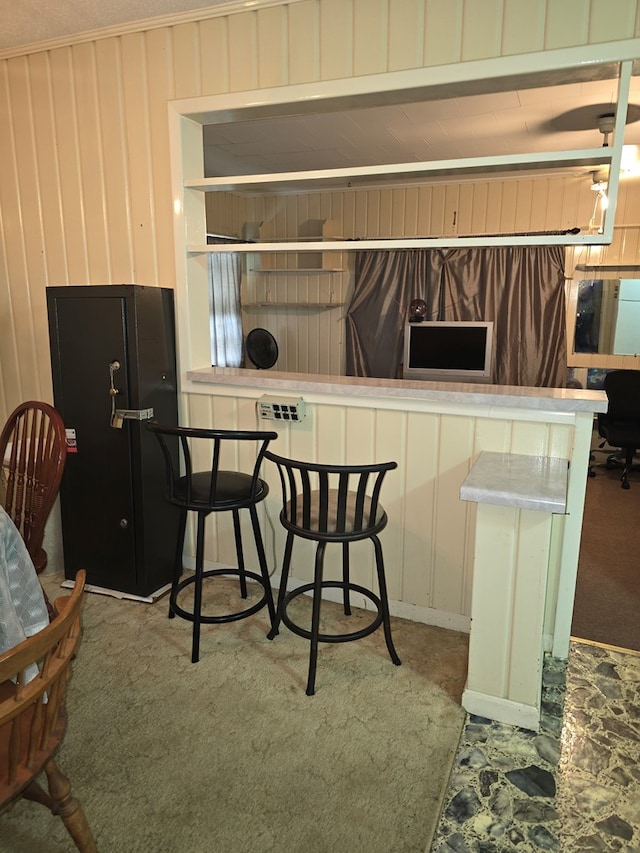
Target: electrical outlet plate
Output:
[{"x": 273, "y": 408}]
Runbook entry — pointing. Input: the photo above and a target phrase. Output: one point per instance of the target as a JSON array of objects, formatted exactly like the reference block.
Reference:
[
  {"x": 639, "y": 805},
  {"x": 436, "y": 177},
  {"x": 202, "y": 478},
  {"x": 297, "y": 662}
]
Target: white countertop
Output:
[
  {"x": 515, "y": 396},
  {"x": 516, "y": 480}
]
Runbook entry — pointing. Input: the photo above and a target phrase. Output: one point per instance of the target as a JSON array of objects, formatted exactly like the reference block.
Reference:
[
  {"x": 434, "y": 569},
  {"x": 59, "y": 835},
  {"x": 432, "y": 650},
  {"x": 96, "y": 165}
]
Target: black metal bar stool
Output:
[
  {"x": 330, "y": 503},
  {"x": 204, "y": 492}
]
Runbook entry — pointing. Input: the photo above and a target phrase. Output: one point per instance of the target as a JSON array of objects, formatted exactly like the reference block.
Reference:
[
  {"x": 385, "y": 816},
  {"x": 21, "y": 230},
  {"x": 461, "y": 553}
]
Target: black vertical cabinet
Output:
[{"x": 116, "y": 523}]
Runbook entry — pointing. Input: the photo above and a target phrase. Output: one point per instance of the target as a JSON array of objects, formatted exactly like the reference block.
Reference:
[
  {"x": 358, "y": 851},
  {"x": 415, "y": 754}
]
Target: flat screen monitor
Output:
[{"x": 447, "y": 351}]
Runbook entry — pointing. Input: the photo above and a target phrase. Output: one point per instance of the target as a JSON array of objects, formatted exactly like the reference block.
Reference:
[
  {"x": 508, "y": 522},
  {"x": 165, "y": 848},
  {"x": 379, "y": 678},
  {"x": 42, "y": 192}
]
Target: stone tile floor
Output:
[{"x": 573, "y": 787}]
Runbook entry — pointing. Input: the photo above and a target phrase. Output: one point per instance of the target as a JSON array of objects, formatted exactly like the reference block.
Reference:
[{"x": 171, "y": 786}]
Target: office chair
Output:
[{"x": 620, "y": 425}]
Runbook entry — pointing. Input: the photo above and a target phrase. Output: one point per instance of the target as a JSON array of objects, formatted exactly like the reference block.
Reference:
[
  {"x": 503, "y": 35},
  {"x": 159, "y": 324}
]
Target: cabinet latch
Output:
[{"x": 134, "y": 414}]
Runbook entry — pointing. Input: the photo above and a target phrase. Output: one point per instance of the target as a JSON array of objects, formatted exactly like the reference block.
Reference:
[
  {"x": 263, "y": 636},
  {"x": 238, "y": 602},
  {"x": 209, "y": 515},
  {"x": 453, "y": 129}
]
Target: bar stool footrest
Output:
[
  {"x": 227, "y": 617},
  {"x": 333, "y": 638}
]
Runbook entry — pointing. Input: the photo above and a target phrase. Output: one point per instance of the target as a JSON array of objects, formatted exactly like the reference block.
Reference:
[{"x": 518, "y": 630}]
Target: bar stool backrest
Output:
[
  {"x": 188, "y": 451},
  {"x": 331, "y": 502}
]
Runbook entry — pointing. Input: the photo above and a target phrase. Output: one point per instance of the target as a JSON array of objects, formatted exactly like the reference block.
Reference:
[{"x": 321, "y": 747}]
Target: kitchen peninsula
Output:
[{"x": 436, "y": 432}]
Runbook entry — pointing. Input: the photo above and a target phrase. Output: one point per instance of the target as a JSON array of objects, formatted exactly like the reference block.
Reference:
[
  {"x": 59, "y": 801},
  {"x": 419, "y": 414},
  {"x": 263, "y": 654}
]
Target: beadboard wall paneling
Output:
[
  {"x": 370, "y": 37},
  {"x": 303, "y": 48},
  {"x": 498, "y": 206},
  {"x": 226, "y": 214},
  {"x": 523, "y": 27}
]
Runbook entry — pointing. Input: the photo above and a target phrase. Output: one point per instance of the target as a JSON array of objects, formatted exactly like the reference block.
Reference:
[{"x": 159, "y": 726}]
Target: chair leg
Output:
[
  {"x": 284, "y": 577},
  {"x": 315, "y": 618},
  {"x": 239, "y": 553},
  {"x": 628, "y": 462},
  {"x": 346, "y": 598},
  {"x": 62, "y": 802},
  {"x": 177, "y": 565},
  {"x": 262, "y": 559},
  {"x": 384, "y": 601},
  {"x": 197, "y": 591}
]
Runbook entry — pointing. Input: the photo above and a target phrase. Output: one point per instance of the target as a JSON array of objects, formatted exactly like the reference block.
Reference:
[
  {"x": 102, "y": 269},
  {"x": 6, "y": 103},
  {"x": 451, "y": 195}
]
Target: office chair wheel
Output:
[{"x": 626, "y": 485}]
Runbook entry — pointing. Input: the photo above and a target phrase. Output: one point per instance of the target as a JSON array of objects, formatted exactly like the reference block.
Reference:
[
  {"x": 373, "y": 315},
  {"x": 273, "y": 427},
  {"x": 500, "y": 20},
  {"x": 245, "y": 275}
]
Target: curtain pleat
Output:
[{"x": 385, "y": 284}]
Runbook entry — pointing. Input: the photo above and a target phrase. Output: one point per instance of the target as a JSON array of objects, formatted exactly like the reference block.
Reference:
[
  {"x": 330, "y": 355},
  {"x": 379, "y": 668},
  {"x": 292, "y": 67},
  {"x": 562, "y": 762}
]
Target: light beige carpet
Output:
[{"x": 230, "y": 755}]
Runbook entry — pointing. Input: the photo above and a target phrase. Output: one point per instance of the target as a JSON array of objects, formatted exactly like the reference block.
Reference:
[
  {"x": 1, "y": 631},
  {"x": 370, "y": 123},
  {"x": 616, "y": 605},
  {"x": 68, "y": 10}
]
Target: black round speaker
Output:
[
  {"x": 261, "y": 348},
  {"x": 417, "y": 311}
]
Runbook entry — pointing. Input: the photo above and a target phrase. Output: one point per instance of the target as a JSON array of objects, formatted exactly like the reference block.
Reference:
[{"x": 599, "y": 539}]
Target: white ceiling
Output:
[
  {"x": 27, "y": 22},
  {"x": 523, "y": 120}
]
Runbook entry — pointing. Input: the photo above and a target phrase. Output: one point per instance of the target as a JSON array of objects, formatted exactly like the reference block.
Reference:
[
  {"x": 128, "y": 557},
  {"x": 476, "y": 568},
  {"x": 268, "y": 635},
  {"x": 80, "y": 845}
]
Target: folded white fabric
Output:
[{"x": 23, "y": 611}]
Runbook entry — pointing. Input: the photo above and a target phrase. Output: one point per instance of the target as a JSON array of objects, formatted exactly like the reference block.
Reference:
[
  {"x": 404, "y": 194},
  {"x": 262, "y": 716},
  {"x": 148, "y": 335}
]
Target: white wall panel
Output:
[
  {"x": 185, "y": 44},
  {"x": 523, "y": 27},
  {"x": 418, "y": 512},
  {"x": 272, "y": 54},
  {"x": 303, "y": 47},
  {"x": 48, "y": 172},
  {"x": 71, "y": 192},
  {"x": 113, "y": 67},
  {"x": 438, "y": 224},
  {"x": 160, "y": 82},
  {"x": 226, "y": 214},
  {"x": 370, "y": 36},
  {"x": 443, "y": 31},
  {"x": 243, "y": 52},
  {"x": 139, "y": 160},
  {"x": 214, "y": 55},
  {"x": 15, "y": 299},
  {"x": 390, "y": 444},
  {"x": 608, "y": 23},
  {"x": 406, "y": 34},
  {"x": 25, "y": 256},
  {"x": 336, "y": 39},
  {"x": 480, "y": 37},
  {"x": 567, "y": 24},
  {"x": 92, "y": 162},
  {"x": 450, "y": 569}
]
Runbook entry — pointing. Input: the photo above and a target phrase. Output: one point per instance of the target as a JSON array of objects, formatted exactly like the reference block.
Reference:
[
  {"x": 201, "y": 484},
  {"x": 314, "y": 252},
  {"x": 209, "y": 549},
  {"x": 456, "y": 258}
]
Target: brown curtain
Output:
[
  {"x": 385, "y": 284},
  {"x": 520, "y": 288}
]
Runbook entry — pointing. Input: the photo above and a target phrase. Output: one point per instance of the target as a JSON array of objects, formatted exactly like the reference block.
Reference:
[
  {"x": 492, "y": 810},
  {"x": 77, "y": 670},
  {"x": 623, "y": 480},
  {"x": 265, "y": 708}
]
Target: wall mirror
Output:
[{"x": 608, "y": 316}]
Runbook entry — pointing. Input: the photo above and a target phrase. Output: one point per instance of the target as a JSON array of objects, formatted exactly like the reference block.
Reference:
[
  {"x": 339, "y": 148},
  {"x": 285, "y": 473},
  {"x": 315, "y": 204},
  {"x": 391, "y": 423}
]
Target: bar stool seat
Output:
[
  {"x": 205, "y": 492},
  {"x": 329, "y": 503}
]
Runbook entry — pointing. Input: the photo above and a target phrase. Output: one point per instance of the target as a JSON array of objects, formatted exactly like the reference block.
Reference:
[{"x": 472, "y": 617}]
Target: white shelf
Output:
[
  {"x": 351, "y": 177},
  {"x": 441, "y": 241}
]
